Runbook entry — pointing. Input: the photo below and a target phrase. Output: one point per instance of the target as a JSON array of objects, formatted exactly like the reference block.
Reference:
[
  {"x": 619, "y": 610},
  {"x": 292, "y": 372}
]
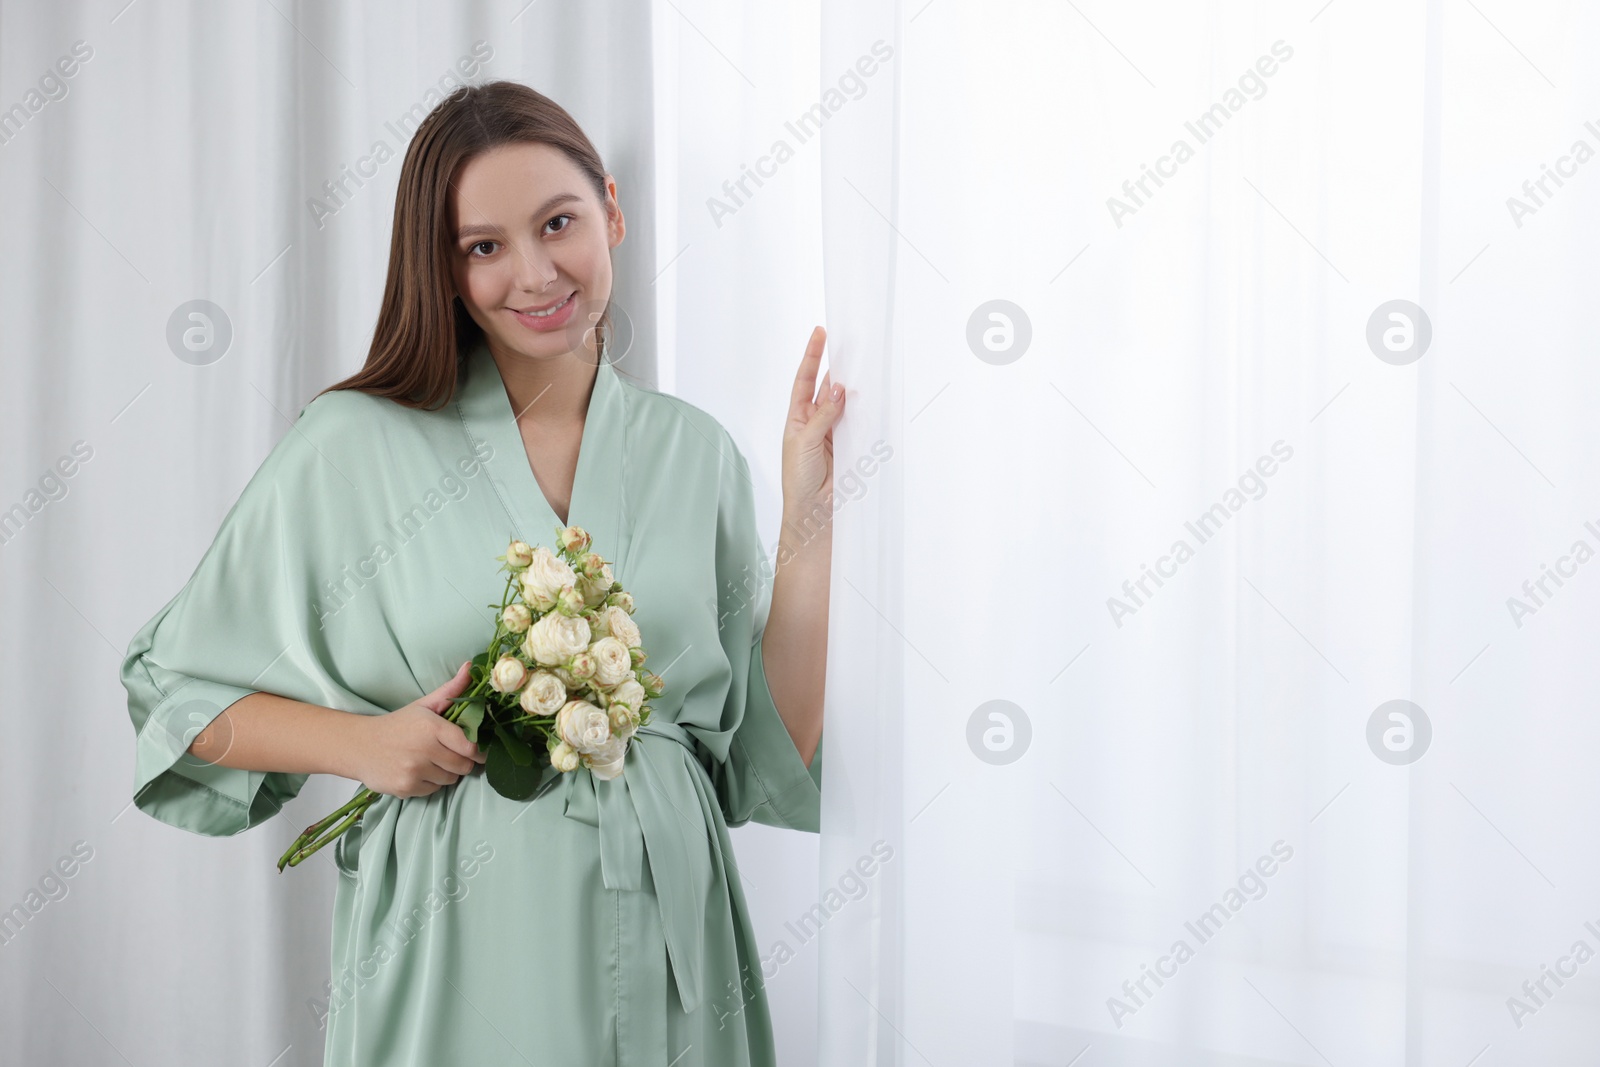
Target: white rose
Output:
[
  {"x": 612, "y": 662},
  {"x": 545, "y": 575},
  {"x": 631, "y": 693},
  {"x": 613, "y": 621},
  {"x": 543, "y": 695},
  {"x": 508, "y": 673},
  {"x": 605, "y": 763},
  {"x": 583, "y": 726},
  {"x": 555, "y": 639}
]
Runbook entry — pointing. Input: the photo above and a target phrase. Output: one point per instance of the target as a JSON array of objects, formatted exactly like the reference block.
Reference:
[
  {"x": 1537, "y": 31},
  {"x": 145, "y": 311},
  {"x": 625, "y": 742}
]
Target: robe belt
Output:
[{"x": 638, "y": 818}]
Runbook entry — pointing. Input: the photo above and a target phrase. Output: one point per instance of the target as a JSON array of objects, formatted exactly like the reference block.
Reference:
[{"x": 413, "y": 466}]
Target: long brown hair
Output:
[{"x": 423, "y": 333}]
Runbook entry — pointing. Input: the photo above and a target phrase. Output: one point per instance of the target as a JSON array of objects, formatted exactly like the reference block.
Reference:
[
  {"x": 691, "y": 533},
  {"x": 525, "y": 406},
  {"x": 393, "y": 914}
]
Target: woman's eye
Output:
[{"x": 566, "y": 220}]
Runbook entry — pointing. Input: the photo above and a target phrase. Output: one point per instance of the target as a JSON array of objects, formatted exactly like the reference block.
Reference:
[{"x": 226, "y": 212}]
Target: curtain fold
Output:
[{"x": 864, "y": 961}]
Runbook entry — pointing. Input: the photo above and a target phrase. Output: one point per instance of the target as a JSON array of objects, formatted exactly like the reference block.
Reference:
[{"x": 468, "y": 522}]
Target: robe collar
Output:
[{"x": 598, "y": 494}]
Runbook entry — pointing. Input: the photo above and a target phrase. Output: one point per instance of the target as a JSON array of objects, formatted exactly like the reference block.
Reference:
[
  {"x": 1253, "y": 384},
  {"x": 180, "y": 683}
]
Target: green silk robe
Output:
[{"x": 600, "y": 923}]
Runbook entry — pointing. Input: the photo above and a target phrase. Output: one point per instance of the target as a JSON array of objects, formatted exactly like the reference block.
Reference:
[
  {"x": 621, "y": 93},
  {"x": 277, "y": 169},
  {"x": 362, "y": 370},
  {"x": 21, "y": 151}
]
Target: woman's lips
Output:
[{"x": 555, "y": 320}]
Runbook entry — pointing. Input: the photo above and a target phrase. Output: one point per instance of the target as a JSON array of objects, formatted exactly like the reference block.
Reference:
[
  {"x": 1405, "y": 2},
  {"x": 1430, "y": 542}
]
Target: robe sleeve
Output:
[
  {"x": 763, "y": 779},
  {"x": 246, "y": 621}
]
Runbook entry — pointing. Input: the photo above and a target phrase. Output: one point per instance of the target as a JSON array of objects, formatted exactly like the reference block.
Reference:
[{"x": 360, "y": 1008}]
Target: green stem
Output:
[
  {"x": 354, "y": 808},
  {"x": 332, "y": 835},
  {"x": 318, "y": 833},
  {"x": 360, "y": 800}
]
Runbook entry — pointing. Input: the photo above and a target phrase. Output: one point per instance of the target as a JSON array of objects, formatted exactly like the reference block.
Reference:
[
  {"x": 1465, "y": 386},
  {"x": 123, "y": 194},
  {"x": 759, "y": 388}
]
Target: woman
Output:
[{"x": 602, "y": 922}]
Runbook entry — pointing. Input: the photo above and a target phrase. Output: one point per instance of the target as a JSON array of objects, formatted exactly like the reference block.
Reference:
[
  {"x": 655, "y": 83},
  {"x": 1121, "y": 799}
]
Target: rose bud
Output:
[
  {"x": 574, "y": 539},
  {"x": 563, "y": 757},
  {"x": 519, "y": 555},
  {"x": 583, "y": 666},
  {"x": 517, "y": 618},
  {"x": 508, "y": 674}
]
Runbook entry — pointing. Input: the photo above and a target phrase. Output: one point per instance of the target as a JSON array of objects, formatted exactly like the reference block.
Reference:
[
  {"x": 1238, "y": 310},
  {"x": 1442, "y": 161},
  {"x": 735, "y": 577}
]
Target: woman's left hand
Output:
[{"x": 808, "y": 442}]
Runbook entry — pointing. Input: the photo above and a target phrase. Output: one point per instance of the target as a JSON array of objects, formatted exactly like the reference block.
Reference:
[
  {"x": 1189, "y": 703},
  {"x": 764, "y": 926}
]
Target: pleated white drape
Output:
[{"x": 245, "y": 155}]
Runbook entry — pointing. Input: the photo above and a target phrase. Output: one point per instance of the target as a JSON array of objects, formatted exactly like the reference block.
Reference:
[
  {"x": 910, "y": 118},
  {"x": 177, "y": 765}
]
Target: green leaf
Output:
[
  {"x": 471, "y": 718},
  {"x": 510, "y": 779},
  {"x": 516, "y": 747}
]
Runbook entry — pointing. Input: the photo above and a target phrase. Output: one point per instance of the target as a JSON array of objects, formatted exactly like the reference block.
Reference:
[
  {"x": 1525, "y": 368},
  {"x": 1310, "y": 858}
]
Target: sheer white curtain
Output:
[{"x": 1181, "y": 503}]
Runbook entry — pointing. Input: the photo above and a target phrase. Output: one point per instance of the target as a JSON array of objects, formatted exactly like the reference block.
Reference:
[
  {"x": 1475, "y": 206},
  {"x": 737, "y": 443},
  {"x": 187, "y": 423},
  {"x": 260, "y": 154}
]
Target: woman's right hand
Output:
[{"x": 414, "y": 751}]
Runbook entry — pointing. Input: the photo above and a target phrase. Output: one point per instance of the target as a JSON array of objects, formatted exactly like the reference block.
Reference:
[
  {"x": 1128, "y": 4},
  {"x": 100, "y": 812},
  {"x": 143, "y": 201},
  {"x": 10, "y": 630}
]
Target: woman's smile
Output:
[{"x": 553, "y": 317}]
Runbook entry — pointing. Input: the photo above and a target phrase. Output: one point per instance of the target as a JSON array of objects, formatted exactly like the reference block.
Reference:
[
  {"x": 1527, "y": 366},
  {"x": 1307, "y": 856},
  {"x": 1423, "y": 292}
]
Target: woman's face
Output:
[{"x": 532, "y": 237}]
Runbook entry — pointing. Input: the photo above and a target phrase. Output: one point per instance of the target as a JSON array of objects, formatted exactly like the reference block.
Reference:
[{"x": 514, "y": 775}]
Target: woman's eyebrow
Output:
[{"x": 485, "y": 229}]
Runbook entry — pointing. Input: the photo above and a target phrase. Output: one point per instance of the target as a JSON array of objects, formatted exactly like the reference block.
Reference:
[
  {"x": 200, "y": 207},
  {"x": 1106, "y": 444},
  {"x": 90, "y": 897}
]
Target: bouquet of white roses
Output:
[{"x": 564, "y": 665}]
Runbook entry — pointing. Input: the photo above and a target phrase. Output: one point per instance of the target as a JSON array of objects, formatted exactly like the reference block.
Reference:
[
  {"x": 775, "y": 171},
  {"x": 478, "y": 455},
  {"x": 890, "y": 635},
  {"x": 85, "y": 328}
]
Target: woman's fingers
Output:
[
  {"x": 456, "y": 743},
  {"x": 459, "y": 752},
  {"x": 805, "y": 380},
  {"x": 440, "y": 698},
  {"x": 439, "y": 775},
  {"x": 451, "y": 761},
  {"x": 827, "y": 411}
]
